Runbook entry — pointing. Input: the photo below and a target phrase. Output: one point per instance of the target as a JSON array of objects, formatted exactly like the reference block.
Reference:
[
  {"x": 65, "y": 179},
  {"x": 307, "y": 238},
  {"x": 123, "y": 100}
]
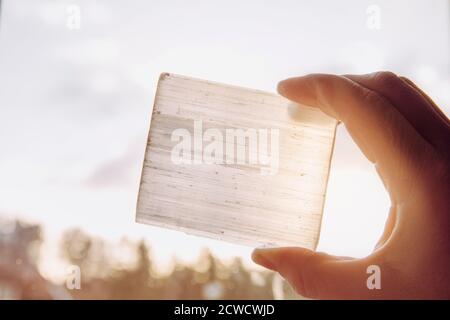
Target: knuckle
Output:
[
  {"x": 372, "y": 98},
  {"x": 386, "y": 78},
  {"x": 324, "y": 84},
  {"x": 321, "y": 82}
]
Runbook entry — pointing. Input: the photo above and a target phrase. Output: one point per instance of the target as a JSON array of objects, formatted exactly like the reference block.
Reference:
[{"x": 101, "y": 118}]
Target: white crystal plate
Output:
[{"x": 235, "y": 164}]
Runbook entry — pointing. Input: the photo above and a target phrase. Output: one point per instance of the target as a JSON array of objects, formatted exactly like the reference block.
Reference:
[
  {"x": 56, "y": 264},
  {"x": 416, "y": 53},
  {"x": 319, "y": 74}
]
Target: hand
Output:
[{"x": 405, "y": 135}]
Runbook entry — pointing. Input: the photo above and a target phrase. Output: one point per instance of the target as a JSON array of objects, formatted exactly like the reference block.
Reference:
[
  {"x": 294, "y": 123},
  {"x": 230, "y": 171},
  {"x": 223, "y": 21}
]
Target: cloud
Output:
[{"x": 120, "y": 172}]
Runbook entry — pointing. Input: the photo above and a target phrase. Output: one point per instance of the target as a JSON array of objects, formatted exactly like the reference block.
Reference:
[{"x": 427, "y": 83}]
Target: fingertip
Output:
[
  {"x": 298, "y": 89},
  {"x": 262, "y": 257},
  {"x": 287, "y": 86},
  {"x": 281, "y": 87}
]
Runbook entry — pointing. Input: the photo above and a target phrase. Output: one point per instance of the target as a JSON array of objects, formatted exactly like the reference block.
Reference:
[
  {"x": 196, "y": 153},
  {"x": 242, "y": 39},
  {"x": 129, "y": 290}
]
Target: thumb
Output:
[{"x": 318, "y": 275}]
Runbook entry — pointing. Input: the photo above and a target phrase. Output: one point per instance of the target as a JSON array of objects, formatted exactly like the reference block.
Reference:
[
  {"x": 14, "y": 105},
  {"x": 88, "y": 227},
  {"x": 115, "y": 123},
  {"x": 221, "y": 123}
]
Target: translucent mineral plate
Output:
[{"x": 235, "y": 164}]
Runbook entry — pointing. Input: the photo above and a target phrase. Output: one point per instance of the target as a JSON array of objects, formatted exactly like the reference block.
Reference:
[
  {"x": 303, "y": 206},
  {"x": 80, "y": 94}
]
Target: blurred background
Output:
[{"x": 77, "y": 80}]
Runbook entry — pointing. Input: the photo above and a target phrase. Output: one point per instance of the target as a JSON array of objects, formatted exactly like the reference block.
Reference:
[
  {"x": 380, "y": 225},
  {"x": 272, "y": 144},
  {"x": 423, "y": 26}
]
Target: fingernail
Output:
[
  {"x": 263, "y": 258},
  {"x": 281, "y": 87}
]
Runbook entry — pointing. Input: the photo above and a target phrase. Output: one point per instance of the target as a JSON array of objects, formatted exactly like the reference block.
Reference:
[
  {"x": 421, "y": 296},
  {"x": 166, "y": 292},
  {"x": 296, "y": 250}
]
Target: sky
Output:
[{"x": 76, "y": 101}]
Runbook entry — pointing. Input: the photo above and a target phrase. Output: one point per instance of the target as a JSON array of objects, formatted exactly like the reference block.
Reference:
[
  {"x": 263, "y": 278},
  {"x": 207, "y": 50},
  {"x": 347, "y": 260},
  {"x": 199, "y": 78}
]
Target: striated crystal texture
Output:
[{"x": 235, "y": 164}]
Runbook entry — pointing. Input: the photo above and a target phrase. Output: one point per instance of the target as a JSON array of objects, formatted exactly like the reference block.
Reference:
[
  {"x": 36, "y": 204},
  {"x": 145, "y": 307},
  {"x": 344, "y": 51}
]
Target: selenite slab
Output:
[{"x": 252, "y": 200}]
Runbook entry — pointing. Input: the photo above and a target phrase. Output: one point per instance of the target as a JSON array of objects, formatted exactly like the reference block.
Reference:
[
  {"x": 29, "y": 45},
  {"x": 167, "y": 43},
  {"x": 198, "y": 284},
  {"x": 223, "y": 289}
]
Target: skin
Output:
[{"x": 406, "y": 136}]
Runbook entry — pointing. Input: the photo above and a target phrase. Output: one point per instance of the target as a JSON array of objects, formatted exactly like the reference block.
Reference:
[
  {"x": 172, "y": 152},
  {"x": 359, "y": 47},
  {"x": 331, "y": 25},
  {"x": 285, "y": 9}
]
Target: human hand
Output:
[{"x": 405, "y": 135}]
